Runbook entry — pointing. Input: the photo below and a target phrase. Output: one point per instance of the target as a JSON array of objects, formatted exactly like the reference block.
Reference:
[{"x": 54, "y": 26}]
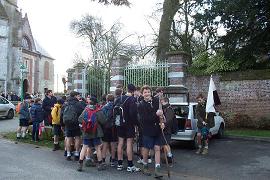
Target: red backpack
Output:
[{"x": 89, "y": 123}]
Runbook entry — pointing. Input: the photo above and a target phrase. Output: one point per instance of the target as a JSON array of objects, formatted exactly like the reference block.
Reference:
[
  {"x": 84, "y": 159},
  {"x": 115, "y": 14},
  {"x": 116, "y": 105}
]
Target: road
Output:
[
  {"x": 7, "y": 125},
  {"x": 227, "y": 159}
]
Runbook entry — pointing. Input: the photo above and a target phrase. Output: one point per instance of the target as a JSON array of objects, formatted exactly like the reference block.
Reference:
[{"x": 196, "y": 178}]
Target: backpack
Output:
[
  {"x": 118, "y": 112},
  {"x": 70, "y": 117},
  {"x": 89, "y": 123}
]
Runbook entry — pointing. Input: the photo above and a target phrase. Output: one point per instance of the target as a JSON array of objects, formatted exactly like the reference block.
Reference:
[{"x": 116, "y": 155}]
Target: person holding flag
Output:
[{"x": 205, "y": 113}]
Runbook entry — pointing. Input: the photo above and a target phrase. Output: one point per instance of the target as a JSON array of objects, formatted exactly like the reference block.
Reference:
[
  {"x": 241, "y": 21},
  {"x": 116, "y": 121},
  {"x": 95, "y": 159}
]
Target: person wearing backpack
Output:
[
  {"x": 37, "y": 115},
  {"x": 71, "y": 112},
  {"x": 91, "y": 119},
  {"x": 24, "y": 117},
  {"x": 109, "y": 129},
  {"x": 56, "y": 112},
  {"x": 125, "y": 115},
  {"x": 47, "y": 105},
  {"x": 170, "y": 122}
]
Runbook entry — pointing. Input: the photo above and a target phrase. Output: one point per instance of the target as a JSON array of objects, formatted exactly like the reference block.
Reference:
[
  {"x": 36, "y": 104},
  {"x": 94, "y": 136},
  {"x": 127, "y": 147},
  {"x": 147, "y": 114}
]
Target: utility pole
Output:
[{"x": 57, "y": 83}]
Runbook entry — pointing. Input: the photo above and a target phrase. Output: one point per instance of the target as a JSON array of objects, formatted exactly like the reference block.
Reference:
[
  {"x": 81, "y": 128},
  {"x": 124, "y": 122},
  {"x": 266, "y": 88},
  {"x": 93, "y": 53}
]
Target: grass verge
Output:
[
  {"x": 43, "y": 142},
  {"x": 248, "y": 132}
]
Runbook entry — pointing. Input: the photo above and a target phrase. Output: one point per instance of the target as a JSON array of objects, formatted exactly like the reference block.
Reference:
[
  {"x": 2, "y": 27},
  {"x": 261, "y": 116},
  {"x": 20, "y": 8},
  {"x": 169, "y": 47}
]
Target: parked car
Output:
[
  {"x": 7, "y": 109},
  {"x": 187, "y": 123}
]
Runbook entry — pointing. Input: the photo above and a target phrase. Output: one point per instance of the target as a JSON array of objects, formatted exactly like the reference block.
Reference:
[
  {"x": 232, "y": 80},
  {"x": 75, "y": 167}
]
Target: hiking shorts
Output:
[
  {"x": 56, "y": 129},
  {"x": 73, "y": 132},
  {"x": 126, "y": 132},
  {"x": 23, "y": 123},
  {"x": 110, "y": 135},
  {"x": 150, "y": 141},
  {"x": 92, "y": 142}
]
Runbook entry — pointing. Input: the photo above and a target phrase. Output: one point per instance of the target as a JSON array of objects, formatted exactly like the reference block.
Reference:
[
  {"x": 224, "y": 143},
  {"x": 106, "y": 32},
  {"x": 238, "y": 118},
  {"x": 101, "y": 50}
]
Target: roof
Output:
[
  {"x": 3, "y": 14},
  {"x": 41, "y": 50}
]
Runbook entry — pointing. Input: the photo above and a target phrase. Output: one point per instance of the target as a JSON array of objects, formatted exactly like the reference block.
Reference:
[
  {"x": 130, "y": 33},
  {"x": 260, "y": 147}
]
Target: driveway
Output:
[{"x": 227, "y": 160}]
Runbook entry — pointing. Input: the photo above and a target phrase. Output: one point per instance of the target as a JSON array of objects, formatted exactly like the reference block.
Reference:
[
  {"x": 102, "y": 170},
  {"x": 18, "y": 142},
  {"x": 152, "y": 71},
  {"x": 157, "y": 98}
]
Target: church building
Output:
[{"x": 25, "y": 65}]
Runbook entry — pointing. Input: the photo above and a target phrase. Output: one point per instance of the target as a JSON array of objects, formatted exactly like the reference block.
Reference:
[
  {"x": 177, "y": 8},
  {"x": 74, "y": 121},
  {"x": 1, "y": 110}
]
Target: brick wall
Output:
[{"x": 251, "y": 97}]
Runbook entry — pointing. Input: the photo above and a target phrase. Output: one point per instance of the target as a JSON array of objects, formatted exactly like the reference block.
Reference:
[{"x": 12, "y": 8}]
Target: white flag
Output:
[{"x": 212, "y": 98}]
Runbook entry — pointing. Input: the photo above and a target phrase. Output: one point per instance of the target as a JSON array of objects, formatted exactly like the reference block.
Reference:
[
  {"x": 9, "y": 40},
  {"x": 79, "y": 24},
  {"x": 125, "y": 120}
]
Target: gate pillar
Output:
[{"x": 119, "y": 64}]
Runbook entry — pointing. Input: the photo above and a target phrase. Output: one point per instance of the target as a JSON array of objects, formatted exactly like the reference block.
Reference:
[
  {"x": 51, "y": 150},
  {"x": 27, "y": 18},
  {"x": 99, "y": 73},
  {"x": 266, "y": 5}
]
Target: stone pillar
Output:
[
  {"x": 117, "y": 73},
  {"x": 177, "y": 62}
]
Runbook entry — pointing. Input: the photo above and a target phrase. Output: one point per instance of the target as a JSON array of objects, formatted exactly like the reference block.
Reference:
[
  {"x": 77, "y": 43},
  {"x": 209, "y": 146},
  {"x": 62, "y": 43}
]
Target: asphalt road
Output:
[
  {"x": 227, "y": 159},
  {"x": 7, "y": 125}
]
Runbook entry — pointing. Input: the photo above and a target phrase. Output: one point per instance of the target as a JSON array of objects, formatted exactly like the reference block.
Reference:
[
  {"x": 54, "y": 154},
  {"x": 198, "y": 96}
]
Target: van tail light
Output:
[{"x": 188, "y": 124}]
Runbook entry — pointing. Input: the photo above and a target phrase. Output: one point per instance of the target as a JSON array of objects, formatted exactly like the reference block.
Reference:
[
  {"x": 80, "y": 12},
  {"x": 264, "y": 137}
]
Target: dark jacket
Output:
[
  {"x": 24, "y": 111},
  {"x": 101, "y": 120},
  {"x": 130, "y": 109},
  {"x": 169, "y": 117},
  {"x": 200, "y": 113},
  {"x": 79, "y": 107},
  {"x": 149, "y": 119},
  {"x": 37, "y": 113},
  {"x": 47, "y": 104}
]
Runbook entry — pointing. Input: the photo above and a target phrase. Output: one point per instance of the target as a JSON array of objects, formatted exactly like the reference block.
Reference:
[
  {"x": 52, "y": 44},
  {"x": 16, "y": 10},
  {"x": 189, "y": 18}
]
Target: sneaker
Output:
[
  {"x": 158, "y": 173},
  {"x": 120, "y": 167},
  {"x": 140, "y": 161},
  {"x": 68, "y": 158},
  {"x": 80, "y": 167},
  {"x": 76, "y": 158},
  {"x": 199, "y": 151},
  {"x": 205, "y": 151},
  {"x": 133, "y": 169},
  {"x": 101, "y": 167},
  {"x": 113, "y": 163},
  {"x": 146, "y": 170},
  {"x": 149, "y": 161},
  {"x": 65, "y": 153},
  {"x": 90, "y": 163}
]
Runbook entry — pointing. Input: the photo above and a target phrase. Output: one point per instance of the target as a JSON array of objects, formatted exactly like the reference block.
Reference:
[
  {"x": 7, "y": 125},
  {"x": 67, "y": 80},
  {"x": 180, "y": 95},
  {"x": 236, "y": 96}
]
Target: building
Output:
[{"x": 25, "y": 65}]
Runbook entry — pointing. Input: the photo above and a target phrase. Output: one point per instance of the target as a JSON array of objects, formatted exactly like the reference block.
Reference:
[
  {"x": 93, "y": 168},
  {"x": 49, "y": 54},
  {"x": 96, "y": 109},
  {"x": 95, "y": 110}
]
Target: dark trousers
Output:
[{"x": 35, "y": 131}]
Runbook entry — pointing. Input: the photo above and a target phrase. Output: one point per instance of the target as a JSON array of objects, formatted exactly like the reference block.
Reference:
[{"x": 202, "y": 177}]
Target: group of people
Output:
[{"x": 109, "y": 127}]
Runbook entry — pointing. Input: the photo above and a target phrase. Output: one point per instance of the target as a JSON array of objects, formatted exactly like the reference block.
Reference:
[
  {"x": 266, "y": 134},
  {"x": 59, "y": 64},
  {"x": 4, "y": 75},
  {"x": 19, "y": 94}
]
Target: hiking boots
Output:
[
  {"x": 199, "y": 151},
  {"x": 170, "y": 161},
  {"x": 146, "y": 170},
  {"x": 80, "y": 166},
  {"x": 101, "y": 167},
  {"x": 90, "y": 163},
  {"x": 56, "y": 147},
  {"x": 133, "y": 169},
  {"x": 205, "y": 151},
  {"x": 158, "y": 173}
]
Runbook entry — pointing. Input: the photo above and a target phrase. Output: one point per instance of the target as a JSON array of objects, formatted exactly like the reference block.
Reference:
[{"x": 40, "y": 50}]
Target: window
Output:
[
  {"x": 79, "y": 86},
  {"x": 79, "y": 77},
  {"x": 46, "y": 71},
  {"x": 26, "y": 44}
]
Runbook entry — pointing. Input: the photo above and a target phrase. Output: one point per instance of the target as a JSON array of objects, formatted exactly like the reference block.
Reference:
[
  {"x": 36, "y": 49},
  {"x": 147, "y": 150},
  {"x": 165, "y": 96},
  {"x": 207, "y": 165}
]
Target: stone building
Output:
[{"x": 19, "y": 49}]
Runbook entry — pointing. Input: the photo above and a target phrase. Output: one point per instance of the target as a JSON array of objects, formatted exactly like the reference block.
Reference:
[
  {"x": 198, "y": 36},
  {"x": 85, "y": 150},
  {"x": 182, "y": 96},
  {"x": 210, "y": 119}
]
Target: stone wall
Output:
[{"x": 251, "y": 97}]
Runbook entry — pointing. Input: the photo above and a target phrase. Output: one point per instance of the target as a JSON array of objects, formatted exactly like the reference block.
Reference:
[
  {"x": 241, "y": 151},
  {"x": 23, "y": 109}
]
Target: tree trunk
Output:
[{"x": 170, "y": 8}]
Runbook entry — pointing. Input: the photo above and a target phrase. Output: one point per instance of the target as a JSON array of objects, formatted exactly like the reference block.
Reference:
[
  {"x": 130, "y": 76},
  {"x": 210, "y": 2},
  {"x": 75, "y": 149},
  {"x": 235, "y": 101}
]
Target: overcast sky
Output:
[{"x": 50, "y": 20}]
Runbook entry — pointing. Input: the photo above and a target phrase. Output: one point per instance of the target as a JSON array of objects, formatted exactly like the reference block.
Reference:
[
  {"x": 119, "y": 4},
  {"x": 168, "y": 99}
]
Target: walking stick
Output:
[{"x": 161, "y": 120}]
